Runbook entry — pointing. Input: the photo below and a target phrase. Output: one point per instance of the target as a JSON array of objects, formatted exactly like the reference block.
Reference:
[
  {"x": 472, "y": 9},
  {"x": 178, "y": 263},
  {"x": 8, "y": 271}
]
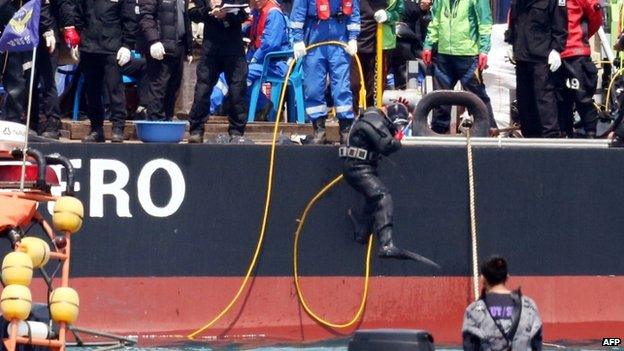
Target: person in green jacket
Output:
[
  {"x": 459, "y": 33},
  {"x": 372, "y": 12}
]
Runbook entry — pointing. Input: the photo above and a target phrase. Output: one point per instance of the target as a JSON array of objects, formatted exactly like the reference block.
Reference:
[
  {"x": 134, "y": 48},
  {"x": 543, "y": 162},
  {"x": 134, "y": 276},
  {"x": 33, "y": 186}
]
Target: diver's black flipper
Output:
[
  {"x": 359, "y": 233},
  {"x": 401, "y": 254}
]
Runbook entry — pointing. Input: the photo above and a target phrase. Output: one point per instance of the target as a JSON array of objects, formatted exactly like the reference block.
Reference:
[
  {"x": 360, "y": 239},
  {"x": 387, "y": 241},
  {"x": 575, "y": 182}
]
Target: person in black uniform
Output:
[
  {"x": 538, "y": 30},
  {"x": 372, "y": 135},
  {"x": 222, "y": 51},
  {"x": 16, "y": 71},
  {"x": 55, "y": 15},
  {"x": 166, "y": 30},
  {"x": 418, "y": 15},
  {"x": 106, "y": 28},
  {"x": 411, "y": 34},
  {"x": 134, "y": 66},
  {"x": 13, "y": 74}
]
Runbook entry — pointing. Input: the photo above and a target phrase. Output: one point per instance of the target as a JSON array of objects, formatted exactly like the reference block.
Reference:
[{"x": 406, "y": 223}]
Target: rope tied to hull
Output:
[{"x": 473, "y": 215}]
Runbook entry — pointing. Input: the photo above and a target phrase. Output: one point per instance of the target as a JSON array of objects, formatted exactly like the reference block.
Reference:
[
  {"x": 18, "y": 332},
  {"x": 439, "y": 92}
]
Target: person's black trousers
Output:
[
  {"x": 378, "y": 207},
  {"x": 163, "y": 78},
  {"x": 101, "y": 72},
  {"x": 15, "y": 84},
  {"x": 579, "y": 77},
  {"x": 16, "y": 80},
  {"x": 136, "y": 69},
  {"x": 448, "y": 70},
  {"x": 208, "y": 70},
  {"x": 45, "y": 72},
  {"x": 537, "y": 100}
]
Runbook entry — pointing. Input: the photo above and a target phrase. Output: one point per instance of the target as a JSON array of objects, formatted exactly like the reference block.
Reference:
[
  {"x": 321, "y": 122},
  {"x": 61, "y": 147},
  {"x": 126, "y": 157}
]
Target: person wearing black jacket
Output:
[
  {"x": 538, "y": 30},
  {"x": 372, "y": 136},
  {"x": 416, "y": 18},
  {"x": 16, "y": 71},
  {"x": 167, "y": 40},
  {"x": 60, "y": 16},
  {"x": 106, "y": 29},
  {"x": 418, "y": 15},
  {"x": 222, "y": 51}
]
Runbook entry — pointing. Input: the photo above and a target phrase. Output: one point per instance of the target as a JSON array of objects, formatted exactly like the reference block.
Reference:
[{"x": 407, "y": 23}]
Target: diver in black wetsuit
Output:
[{"x": 372, "y": 135}]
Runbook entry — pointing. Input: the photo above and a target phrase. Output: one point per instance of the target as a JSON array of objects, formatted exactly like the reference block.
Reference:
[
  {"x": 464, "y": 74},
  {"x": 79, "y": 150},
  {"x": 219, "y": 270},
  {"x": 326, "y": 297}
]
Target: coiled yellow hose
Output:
[
  {"x": 302, "y": 300},
  {"x": 269, "y": 191}
]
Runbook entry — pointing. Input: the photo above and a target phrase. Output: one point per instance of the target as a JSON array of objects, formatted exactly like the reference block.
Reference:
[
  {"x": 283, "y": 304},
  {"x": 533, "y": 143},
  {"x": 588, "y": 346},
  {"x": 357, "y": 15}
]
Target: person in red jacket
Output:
[{"x": 579, "y": 73}]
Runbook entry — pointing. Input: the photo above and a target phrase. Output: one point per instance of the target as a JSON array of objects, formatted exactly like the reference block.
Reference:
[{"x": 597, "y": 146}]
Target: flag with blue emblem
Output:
[{"x": 22, "y": 31}]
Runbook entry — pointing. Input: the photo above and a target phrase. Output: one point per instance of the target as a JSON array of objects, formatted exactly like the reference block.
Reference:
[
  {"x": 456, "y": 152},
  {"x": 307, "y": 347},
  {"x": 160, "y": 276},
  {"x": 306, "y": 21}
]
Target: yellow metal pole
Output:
[{"x": 379, "y": 79}]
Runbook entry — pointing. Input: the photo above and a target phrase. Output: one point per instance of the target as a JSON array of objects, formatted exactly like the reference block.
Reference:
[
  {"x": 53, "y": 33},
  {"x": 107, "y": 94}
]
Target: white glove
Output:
[
  {"x": 300, "y": 50},
  {"x": 510, "y": 54},
  {"x": 189, "y": 59},
  {"x": 381, "y": 16},
  {"x": 554, "y": 60},
  {"x": 50, "y": 40},
  {"x": 198, "y": 32},
  {"x": 75, "y": 53},
  {"x": 123, "y": 56},
  {"x": 352, "y": 47},
  {"x": 157, "y": 51}
]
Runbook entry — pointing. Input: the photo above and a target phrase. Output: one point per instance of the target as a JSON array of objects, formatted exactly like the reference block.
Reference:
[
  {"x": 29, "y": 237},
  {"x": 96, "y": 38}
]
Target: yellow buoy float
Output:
[
  {"x": 17, "y": 268},
  {"x": 68, "y": 214},
  {"x": 37, "y": 249},
  {"x": 15, "y": 302},
  {"x": 64, "y": 305}
]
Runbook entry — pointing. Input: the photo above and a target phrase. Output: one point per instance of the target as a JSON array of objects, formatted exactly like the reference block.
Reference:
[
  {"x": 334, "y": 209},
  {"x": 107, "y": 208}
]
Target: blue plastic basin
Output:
[{"x": 160, "y": 131}]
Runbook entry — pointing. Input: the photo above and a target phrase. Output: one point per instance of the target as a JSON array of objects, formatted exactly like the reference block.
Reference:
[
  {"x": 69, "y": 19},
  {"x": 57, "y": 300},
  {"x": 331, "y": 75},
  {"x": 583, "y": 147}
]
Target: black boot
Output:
[
  {"x": 345, "y": 128},
  {"x": 196, "y": 137},
  {"x": 387, "y": 249},
  {"x": 616, "y": 142},
  {"x": 319, "y": 131},
  {"x": 117, "y": 135},
  {"x": 360, "y": 233},
  {"x": 52, "y": 128},
  {"x": 96, "y": 136}
]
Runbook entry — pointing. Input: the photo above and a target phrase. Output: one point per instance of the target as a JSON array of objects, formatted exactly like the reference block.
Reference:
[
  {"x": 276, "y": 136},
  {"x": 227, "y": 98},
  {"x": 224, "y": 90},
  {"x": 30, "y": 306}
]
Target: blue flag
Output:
[{"x": 22, "y": 32}]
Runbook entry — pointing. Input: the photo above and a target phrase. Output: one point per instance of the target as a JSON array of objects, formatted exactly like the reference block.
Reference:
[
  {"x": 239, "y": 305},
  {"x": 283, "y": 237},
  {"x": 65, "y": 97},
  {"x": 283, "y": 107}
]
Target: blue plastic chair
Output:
[
  {"x": 77, "y": 96},
  {"x": 295, "y": 103},
  {"x": 126, "y": 79}
]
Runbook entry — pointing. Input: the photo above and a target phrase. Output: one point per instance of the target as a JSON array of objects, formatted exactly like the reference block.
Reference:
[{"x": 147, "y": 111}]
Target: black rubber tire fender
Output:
[{"x": 475, "y": 107}]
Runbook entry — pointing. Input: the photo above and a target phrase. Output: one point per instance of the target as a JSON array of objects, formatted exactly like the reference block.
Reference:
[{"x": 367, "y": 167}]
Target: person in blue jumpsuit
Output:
[
  {"x": 341, "y": 23},
  {"x": 268, "y": 33}
]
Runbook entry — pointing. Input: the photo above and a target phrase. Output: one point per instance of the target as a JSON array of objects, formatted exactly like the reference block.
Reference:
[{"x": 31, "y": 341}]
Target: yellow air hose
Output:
[
  {"x": 269, "y": 188},
  {"x": 613, "y": 79},
  {"x": 303, "y": 218},
  {"x": 302, "y": 300},
  {"x": 379, "y": 78}
]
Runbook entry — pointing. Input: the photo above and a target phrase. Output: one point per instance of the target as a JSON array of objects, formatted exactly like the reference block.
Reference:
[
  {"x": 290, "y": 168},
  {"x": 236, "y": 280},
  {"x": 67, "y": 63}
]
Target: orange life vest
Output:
[
  {"x": 257, "y": 27},
  {"x": 323, "y": 8}
]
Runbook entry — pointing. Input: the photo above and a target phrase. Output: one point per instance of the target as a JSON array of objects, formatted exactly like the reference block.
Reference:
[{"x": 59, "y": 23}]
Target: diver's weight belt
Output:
[{"x": 356, "y": 153}]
